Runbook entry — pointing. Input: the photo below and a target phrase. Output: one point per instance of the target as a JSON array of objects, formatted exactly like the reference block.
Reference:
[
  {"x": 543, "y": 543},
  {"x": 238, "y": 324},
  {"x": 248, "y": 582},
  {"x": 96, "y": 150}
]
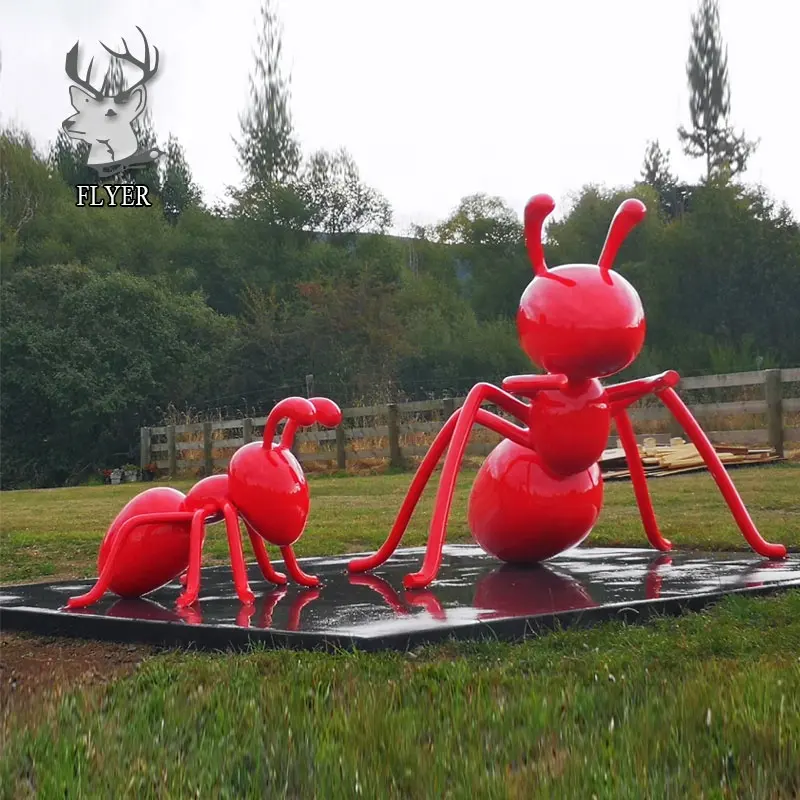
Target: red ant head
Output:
[
  {"x": 582, "y": 320},
  {"x": 327, "y": 412}
]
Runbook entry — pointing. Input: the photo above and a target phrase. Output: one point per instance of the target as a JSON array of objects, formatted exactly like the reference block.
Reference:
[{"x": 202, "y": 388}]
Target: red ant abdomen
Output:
[
  {"x": 522, "y": 512},
  {"x": 157, "y": 554}
]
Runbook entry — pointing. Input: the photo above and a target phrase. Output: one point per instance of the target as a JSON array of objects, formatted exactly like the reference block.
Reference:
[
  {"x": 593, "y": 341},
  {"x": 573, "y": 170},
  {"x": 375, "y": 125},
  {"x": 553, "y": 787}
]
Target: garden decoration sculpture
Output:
[
  {"x": 159, "y": 534},
  {"x": 540, "y": 491}
]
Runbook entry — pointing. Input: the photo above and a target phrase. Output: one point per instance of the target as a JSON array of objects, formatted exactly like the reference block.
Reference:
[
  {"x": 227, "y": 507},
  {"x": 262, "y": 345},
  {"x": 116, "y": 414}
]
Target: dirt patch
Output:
[{"x": 34, "y": 669}]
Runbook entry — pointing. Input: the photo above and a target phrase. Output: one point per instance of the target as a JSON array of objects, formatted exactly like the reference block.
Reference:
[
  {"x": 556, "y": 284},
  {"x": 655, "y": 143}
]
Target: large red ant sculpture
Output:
[
  {"x": 540, "y": 491},
  {"x": 159, "y": 534}
]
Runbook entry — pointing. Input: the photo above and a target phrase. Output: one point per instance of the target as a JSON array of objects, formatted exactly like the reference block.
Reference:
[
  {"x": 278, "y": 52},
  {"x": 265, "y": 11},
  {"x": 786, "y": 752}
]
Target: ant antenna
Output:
[
  {"x": 537, "y": 210},
  {"x": 630, "y": 213},
  {"x": 296, "y": 410}
]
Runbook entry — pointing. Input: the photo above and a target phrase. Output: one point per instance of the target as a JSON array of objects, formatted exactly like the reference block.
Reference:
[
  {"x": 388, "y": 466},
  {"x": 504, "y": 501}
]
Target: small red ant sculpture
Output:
[
  {"x": 160, "y": 533},
  {"x": 540, "y": 491}
]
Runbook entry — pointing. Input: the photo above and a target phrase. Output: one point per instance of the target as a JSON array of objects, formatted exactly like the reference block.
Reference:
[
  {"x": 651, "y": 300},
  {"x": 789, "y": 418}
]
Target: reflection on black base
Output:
[{"x": 473, "y": 591}]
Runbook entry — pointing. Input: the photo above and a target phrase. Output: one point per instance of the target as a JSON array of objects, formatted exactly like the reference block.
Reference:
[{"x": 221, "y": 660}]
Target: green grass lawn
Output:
[
  {"x": 703, "y": 705},
  {"x": 58, "y": 531}
]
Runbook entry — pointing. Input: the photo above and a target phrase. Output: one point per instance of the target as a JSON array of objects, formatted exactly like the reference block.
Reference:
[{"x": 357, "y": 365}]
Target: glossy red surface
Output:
[
  {"x": 522, "y": 513},
  {"x": 511, "y": 592},
  {"x": 270, "y": 491},
  {"x": 589, "y": 325},
  {"x": 158, "y": 536},
  {"x": 209, "y": 493},
  {"x": 540, "y": 491},
  {"x": 153, "y": 553},
  {"x": 570, "y": 426}
]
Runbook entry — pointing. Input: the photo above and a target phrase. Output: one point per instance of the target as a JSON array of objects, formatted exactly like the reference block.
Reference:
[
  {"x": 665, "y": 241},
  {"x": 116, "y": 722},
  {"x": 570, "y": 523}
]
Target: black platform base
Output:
[{"x": 475, "y": 597}]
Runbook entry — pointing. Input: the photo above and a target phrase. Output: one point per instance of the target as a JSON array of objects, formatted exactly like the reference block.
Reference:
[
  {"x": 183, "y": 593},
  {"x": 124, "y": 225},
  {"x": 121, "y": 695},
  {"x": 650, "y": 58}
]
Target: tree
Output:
[
  {"x": 88, "y": 357},
  {"x": 268, "y": 151},
  {"x": 27, "y": 194},
  {"x": 338, "y": 201},
  {"x": 178, "y": 189},
  {"x": 485, "y": 238},
  {"x": 149, "y": 175},
  {"x": 446, "y": 348},
  {"x": 656, "y": 170},
  {"x": 68, "y": 159},
  {"x": 711, "y": 135},
  {"x": 480, "y": 220},
  {"x": 724, "y": 286}
]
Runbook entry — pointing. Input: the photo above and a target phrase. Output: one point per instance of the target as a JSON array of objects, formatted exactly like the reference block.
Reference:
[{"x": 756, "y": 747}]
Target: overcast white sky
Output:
[{"x": 435, "y": 99}]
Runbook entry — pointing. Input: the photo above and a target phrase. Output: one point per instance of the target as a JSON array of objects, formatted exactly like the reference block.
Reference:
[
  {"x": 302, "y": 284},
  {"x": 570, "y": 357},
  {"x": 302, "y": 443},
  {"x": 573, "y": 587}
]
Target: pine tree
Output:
[
  {"x": 711, "y": 135},
  {"x": 268, "y": 151},
  {"x": 178, "y": 189},
  {"x": 149, "y": 175},
  {"x": 656, "y": 170}
]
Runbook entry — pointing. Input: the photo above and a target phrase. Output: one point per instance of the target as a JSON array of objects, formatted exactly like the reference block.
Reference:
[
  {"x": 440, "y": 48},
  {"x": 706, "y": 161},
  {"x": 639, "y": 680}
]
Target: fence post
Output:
[
  {"x": 395, "y": 454},
  {"x": 172, "y": 455},
  {"x": 773, "y": 394},
  {"x": 341, "y": 450},
  {"x": 449, "y": 407},
  {"x": 144, "y": 449},
  {"x": 295, "y": 447},
  {"x": 247, "y": 430},
  {"x": 208, "y": 445}
]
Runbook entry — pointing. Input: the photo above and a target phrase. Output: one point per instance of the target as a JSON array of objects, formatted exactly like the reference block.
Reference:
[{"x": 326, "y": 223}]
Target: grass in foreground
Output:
[
  {"x": 706, "y": 705},
  {"x": 58, "y": 531}
]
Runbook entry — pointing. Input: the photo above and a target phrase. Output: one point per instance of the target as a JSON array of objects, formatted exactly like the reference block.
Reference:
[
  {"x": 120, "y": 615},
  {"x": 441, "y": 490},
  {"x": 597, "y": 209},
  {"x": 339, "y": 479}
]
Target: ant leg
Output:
[
  {"x": 103, "y": 582},
  {"x": 192, "y": 587},
  {"x": 192, "y": 615},
  {"x": 293, "y": 568},
  {"x": 237, "y": 555},
  {"x": 628, "y": 439},
  {"x": 631, "y": 391},
  {"x": 271, "y": 600},
  {"x": 262, "y": 557},
  {"x": 421, "y": 478},
  {"x": 244, "y": 614},
  {"x": 427, "y": 600},
  {"x": 470, "y": 413},
  {"x": 383, "y": 588},
  {"x": 300, "y": 602},
  {"x": 673, "y": 402},
  {"x": 654, "y": 578},
  {"x": 423, "y": 474}
]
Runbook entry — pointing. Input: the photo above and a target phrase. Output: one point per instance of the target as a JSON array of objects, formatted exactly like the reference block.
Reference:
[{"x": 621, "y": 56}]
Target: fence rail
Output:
[{"x": 777, "y": 403}]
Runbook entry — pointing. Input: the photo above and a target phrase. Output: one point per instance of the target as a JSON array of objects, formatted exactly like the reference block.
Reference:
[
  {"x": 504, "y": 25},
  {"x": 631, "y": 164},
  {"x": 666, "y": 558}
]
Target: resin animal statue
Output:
[
  {"x": 540, "y": 491},
  {"x": 158, "y": 536}
]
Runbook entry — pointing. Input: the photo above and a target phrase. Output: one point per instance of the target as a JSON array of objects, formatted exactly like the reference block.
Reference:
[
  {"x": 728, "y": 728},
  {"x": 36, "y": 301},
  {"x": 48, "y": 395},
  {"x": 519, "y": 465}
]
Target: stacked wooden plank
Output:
[{"x": 679, "y": 457}]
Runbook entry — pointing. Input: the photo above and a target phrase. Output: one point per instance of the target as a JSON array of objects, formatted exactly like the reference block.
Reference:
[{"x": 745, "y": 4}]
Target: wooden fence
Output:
[{"x": 767, "y": 398}]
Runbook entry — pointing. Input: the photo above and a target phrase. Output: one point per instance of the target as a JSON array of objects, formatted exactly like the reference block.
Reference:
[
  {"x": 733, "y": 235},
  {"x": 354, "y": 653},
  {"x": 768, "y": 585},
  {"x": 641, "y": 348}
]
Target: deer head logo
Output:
[{"x": 106, "y": 123}]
